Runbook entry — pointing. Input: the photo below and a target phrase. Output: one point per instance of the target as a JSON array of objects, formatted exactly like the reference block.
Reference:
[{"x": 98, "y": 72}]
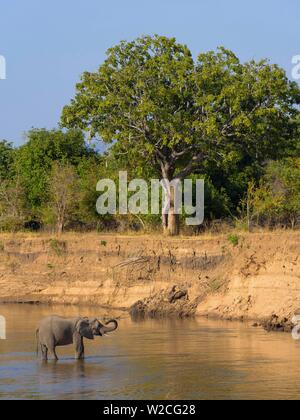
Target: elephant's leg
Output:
[
  {"x": 50, "y": 343},
  {"x": 79, "y": 355},
  {"x": 52, "y": 351},
  {"x": 79, "y": 347},
  {"x": 44, "y": 351},
  {"x": 55, "y": 354}
]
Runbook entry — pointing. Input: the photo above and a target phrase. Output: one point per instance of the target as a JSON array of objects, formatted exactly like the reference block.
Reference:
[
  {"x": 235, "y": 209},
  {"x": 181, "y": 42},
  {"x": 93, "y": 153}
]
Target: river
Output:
[{"x": 191, "y": 359}]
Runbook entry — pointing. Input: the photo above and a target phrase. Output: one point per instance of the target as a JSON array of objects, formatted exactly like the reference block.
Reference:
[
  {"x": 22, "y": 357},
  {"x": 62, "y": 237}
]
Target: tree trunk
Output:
[
  {"x": 60, "y": 226},
  {"x": 171, "y": 220},
  {"x": 173, "y": 223},
  {"x": 293, "y": 223},
  {"x": 165, "y": 223}
]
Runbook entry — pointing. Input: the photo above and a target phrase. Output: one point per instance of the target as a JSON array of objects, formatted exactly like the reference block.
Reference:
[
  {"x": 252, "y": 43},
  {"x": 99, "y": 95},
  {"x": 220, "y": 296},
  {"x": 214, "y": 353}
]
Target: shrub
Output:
[{"x": 233, "y": 239}]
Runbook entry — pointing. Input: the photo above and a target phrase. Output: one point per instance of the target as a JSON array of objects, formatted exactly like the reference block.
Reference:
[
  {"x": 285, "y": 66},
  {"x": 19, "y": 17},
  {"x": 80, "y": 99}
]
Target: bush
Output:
[
  {"x": 276, "y": 200},
  {"x": 233, "y": 239}
]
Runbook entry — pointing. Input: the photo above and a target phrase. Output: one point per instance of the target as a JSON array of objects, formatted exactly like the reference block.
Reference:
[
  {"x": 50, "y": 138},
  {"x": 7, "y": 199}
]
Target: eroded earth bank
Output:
[{"x": 256, "y": 279}]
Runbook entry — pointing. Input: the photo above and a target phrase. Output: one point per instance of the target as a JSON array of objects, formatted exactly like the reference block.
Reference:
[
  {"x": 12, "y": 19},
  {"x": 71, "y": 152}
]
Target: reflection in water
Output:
[{"x": 193, "y": 359}]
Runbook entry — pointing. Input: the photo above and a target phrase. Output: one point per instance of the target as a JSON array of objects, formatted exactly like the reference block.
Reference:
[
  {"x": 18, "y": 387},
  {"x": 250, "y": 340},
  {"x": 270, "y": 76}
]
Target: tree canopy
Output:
[
  {"x": 35, "y": 158},
  {"x": 157, "y": 105}
]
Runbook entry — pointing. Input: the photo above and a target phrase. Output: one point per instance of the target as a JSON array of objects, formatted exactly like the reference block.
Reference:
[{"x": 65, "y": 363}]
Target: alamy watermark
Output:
[
  {"x": 2, "y": 328},
  {"x": 154, "y": 197},
  {"x": 2, "y": 68},
  {"x": 296, "y": 67},
  {"x": 296, "y": 329}
]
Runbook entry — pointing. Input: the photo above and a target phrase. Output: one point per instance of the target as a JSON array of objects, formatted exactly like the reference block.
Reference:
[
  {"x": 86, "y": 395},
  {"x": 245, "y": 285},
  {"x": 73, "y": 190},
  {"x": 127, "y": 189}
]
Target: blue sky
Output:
[{"x": 48, "y": 44}]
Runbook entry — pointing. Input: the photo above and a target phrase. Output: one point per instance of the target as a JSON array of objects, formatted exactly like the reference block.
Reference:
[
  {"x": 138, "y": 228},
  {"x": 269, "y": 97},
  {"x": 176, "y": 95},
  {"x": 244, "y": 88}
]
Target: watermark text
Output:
[
  {"x": 296, "y": 67},
  {"x": 154, "y": 197},
  {"x": 2, "y": 328},
  {"x": 2, "y": 68}
]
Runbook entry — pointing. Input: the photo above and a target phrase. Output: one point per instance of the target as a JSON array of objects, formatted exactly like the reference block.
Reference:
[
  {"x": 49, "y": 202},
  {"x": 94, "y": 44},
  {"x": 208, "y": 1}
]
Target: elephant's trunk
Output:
[{"x": 105, "y": 329}]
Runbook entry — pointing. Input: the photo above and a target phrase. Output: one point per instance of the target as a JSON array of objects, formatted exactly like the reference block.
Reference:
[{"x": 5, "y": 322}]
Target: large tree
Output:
[{"x": 161, "y": 108}]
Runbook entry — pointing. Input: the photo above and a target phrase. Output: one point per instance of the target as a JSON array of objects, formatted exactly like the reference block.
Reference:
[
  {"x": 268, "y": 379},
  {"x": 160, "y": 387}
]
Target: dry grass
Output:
[{"x": 207, "y": 235}]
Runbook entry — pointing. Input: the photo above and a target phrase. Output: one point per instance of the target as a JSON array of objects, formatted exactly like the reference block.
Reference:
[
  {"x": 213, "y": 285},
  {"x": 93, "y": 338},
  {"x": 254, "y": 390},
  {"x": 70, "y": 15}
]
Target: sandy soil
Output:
[{"x": 255, "y": 279}]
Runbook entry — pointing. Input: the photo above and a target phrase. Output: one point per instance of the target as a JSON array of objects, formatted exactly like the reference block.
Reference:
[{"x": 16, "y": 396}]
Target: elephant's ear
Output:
[{"x": 85, "y": 330}]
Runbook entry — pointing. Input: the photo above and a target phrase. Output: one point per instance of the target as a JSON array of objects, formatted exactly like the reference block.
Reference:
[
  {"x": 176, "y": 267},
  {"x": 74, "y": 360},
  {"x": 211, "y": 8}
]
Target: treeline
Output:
[
  {"x": 50, "y": 184},
  {"x": 163, "y": 114}
]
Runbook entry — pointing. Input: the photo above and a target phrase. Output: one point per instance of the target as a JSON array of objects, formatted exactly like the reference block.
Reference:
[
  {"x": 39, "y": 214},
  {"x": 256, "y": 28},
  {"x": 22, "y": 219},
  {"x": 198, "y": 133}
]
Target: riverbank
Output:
[{"x": 247, "y": 276}]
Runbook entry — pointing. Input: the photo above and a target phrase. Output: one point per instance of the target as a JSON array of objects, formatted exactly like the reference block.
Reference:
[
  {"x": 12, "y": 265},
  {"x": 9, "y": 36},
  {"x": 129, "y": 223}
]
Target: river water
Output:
[{"x": 192, "y": 359}]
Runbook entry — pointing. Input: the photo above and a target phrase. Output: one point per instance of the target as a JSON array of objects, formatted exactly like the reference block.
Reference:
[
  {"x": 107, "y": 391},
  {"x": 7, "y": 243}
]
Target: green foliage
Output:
[
  {"x": 141, "y": 97},
  {"x": 159, "y": 106},
  {"x": 12, "y": 204},
  {"x": 11, "y": 223},
  {"x": 233, "y": 239},
  {"x": 64, "y": 196},
  {"x": 276, "y": 200},
  {"x": 34, "y": 160},
  {"x": 246, "y": 108},
  {"x": 163, "y": 114},
  {"x": 89, "y": 171},
  {"x": 59, "y": 247},
  {"x": 6, "y": 159}
]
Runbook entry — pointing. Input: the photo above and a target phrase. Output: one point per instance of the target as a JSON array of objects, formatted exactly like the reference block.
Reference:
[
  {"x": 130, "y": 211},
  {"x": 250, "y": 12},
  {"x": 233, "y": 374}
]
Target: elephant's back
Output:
[
  {"x": 61, "y": 329},
  {"x": 45, "y": 323},
  {"x": 48, "y": 321}
]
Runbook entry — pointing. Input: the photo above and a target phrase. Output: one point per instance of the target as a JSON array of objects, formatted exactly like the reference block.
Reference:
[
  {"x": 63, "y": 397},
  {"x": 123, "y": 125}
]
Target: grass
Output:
[
  {"x": 59, "y": 247},
  {"x": 94, "y": 236}
]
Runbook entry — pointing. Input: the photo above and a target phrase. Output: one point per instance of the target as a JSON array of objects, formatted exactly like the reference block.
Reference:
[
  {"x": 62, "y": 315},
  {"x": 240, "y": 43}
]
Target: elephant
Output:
[{"x": 55, "y": 331}]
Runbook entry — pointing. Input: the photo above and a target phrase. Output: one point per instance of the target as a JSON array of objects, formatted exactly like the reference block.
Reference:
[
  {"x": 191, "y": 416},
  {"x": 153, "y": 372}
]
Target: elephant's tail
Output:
[{"x": 37, "y": 332}]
